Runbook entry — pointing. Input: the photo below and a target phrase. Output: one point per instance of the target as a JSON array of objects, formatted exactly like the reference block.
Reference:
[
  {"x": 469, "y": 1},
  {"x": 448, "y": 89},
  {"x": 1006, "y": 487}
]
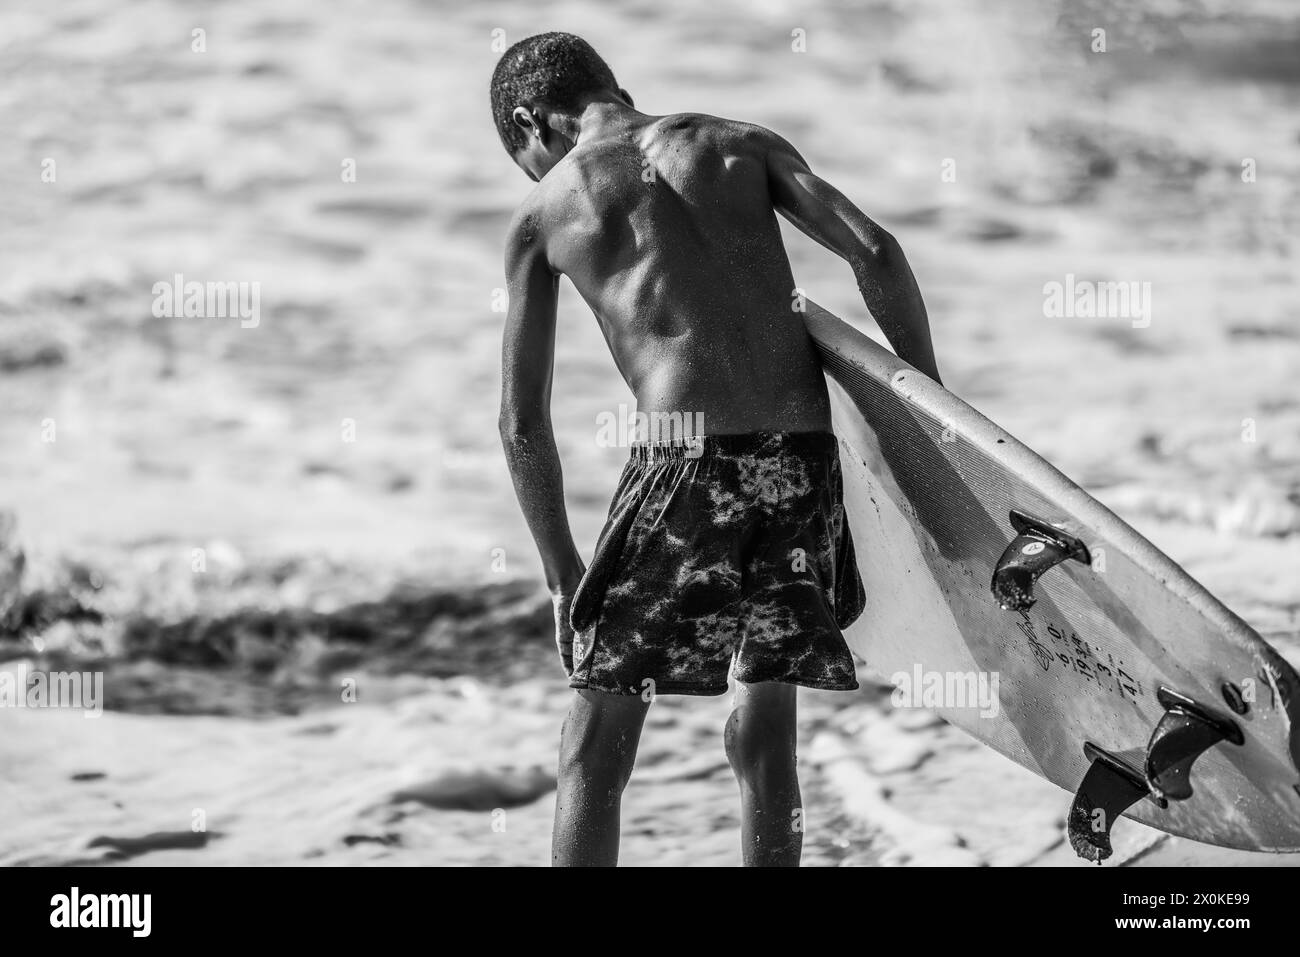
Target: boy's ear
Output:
[
  {"x": 524, "y": 119},
  {"x": 627, "y": 96}
]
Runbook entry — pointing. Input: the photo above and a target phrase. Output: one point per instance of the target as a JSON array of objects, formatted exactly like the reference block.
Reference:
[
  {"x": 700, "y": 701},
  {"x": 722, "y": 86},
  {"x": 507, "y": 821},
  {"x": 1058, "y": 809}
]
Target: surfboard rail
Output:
[{"x": 844, "y": 349}]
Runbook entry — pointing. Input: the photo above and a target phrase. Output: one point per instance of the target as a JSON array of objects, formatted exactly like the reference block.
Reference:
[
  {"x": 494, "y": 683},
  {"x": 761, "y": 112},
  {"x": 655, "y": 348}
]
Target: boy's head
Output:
[{"x": 547, "y": 75}]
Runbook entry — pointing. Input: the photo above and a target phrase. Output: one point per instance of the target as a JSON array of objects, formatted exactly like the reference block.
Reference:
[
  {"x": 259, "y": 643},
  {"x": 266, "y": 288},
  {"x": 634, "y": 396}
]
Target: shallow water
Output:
[{"x": 377, "y": 294}]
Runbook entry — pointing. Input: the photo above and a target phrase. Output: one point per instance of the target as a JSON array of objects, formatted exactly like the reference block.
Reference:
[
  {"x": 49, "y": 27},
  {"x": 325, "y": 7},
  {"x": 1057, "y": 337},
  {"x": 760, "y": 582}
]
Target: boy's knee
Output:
[
  {"x": 596, "y": 750},
  {"x": 755, "y": 748},
  {"x": 733, "y": 743},
  {"x": 583, "y": 761}
]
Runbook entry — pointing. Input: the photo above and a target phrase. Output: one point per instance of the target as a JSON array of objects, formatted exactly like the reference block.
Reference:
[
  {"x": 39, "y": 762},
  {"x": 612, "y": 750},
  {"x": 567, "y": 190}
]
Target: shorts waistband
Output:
[{"x": 730, "y": 446}]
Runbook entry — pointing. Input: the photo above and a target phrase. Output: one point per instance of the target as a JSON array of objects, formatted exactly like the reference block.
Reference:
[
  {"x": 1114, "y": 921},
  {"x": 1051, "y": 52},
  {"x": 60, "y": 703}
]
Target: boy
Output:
[{"x": 725, "y": 550}]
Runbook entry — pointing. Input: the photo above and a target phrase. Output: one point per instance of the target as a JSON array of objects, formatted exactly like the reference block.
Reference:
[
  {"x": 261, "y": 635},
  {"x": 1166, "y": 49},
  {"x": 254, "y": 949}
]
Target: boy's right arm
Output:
[
  {"x": 527, "y": 361},
  {"x": 884, "y": 277}
]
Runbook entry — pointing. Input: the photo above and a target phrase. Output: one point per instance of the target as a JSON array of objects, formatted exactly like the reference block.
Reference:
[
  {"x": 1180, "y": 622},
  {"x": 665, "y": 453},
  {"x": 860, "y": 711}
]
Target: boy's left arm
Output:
[{"x": 884, "y": 277}]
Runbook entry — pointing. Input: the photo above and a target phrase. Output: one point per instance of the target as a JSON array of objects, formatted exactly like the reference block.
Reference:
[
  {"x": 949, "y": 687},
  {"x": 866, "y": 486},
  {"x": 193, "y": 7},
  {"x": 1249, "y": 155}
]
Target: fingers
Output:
[
  {"x": 566, "y": 654},
  {"x": 564, "y": 635}
]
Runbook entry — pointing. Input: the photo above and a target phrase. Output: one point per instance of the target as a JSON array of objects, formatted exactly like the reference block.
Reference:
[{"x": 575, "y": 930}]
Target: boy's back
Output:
[{"x": 666, "y": 227}]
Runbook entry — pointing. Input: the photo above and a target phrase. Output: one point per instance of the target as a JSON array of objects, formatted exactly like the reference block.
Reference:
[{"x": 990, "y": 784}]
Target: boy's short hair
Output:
[{"x": 555, "y": 69}]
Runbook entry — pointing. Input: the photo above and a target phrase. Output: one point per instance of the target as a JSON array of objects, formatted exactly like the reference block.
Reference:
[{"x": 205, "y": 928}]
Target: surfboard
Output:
[{"x": 1117, "y": 675}]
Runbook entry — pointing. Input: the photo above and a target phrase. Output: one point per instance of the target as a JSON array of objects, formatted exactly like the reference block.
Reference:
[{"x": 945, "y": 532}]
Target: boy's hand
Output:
[{"x": 562, "y": 601}]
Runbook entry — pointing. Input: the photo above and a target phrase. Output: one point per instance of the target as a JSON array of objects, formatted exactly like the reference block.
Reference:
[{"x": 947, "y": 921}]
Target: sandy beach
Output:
[{"x": 292, "y": 549}]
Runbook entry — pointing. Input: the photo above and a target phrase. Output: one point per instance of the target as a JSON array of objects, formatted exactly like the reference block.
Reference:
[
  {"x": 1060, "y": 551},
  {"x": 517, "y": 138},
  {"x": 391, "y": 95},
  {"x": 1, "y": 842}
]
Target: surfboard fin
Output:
[
  {"x": 1038, "y": 547},
  {"x": 1111, "y": 786},
  {"x": 1185, "y": 732},
  {"x": 1113, "y": 782}
]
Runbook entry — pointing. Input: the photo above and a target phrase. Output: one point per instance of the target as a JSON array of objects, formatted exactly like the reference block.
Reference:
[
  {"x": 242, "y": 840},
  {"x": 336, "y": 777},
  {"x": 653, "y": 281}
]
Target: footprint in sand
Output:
[
  {"x": 123, "y": 848},
  {"x": 479, "y": 790}
]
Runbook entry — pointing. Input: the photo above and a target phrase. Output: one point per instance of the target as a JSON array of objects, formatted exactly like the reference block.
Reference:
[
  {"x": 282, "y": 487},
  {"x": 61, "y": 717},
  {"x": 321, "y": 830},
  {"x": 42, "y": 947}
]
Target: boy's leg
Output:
[
  {"x": 760, "y": 742},
  {"x": 597, "y": 749}
]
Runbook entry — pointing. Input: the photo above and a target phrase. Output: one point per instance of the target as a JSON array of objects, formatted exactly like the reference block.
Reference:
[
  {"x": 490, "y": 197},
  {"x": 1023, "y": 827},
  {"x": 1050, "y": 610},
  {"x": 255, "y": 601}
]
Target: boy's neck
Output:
[{"x": 595, "y": 116}]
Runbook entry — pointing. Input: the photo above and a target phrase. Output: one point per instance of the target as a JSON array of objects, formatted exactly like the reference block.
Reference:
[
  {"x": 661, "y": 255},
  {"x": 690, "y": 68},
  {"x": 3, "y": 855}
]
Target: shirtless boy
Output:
[{"x": 726, "y": 553}]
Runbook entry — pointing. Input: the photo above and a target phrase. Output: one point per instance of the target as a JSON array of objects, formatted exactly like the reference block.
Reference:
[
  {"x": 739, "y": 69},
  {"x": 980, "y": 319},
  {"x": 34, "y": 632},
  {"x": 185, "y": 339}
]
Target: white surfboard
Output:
[{"x": 1122, "y": 666}]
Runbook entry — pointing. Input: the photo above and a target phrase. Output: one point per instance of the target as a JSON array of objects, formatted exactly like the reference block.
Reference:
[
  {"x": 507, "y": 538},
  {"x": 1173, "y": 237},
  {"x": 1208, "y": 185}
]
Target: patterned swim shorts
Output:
[{"x": 721, "y": 552}]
